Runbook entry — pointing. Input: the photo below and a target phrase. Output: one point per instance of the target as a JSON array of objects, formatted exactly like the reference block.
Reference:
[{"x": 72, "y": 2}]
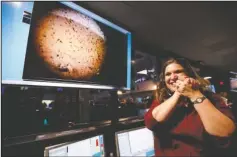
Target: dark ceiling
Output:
[{"x": 199, "y": 31}]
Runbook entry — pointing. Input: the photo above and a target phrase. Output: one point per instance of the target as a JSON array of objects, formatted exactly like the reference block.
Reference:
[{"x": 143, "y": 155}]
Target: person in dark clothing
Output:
[{"x": 186, "y": 118}]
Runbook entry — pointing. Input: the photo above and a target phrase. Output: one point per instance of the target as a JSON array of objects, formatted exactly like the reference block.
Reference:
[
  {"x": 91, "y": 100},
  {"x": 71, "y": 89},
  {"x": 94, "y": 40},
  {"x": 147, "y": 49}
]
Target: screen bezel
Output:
[{"x": 83, "y": 84}]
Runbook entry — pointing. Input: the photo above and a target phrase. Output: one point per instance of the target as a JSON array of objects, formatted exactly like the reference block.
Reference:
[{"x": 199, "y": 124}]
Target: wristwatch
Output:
[{"x": 198, "y": 100}]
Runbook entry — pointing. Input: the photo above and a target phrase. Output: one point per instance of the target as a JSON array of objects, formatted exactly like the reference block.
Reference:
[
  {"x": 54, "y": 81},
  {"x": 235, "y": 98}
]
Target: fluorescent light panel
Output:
[
  {"x": 142, "y": 72},
  {"x": 56, "y": 84},
  {"x": 207, "y": 78}
]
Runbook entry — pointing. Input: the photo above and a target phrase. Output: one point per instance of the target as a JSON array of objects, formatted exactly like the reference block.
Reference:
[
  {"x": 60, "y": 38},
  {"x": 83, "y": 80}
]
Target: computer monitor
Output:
[
  {"x": 93, "y": 146},
  {"x": 233, "y": 81},
  {"x": 92, "y": 52},
  {"x": 135, "y": 142}
]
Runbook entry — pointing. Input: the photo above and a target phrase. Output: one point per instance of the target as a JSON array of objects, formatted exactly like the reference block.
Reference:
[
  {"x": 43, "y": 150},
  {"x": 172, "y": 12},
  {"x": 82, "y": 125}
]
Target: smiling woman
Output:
[
  {"x": 173, "y": 70},
  {"x": 173, "y": 73},
  {"x": 187, "y": 119}
]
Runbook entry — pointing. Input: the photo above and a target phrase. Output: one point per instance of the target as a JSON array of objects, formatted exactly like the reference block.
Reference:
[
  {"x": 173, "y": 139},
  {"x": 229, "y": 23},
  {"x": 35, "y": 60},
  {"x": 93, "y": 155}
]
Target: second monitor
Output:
[{"x": 135, "y": 142}]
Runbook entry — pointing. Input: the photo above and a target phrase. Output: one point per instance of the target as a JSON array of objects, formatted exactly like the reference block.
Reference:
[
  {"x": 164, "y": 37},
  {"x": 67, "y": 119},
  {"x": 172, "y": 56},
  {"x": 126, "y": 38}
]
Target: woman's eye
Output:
[{"x": 179, "y": 71}]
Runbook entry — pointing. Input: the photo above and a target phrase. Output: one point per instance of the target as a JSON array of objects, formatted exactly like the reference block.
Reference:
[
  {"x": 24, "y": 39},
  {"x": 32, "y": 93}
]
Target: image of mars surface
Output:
[{"x": 70, "y": 44}]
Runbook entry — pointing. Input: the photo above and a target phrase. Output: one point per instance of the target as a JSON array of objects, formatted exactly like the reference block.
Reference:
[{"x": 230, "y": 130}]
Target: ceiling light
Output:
[
  {"x": 233, "y": 72},
  {"x": 119, "y": 92},
  {"x": 207, "y": 78},
  {"x": 142, "y": 72}
]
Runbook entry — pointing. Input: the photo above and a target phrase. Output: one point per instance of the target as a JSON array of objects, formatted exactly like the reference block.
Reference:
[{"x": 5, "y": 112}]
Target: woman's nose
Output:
[{"x": 174, "y": 77}]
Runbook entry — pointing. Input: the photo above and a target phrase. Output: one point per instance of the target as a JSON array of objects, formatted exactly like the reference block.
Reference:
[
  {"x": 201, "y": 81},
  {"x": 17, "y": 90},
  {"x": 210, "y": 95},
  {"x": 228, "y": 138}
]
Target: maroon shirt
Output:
[{"x": 184, "y": 135}]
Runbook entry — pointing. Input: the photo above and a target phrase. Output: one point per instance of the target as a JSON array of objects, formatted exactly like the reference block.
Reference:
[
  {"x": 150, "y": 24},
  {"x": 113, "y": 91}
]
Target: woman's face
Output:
[{"x": 173, "y": 72}]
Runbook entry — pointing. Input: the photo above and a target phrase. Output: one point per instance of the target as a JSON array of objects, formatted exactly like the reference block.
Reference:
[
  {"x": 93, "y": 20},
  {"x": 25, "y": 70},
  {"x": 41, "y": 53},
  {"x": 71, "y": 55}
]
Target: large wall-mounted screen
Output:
[{"x": 63, "y": 43}]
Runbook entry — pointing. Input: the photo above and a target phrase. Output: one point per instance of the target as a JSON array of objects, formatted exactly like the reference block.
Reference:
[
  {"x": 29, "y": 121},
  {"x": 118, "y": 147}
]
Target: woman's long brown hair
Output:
[{"x": 162, "y": 93}]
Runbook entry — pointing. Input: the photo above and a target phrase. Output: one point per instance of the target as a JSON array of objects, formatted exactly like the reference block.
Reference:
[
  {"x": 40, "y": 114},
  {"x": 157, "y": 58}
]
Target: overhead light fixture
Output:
[
  {"x": 47, "y": 102},
  {"x": 119, "y": 92},
  {"x": 142, "y": 72},
  {"x": 201, "y": 62},
  {"x": 151, "y": 70},
  {"x": 232, "y": 72},
  {"x": 207, "y": 77}
]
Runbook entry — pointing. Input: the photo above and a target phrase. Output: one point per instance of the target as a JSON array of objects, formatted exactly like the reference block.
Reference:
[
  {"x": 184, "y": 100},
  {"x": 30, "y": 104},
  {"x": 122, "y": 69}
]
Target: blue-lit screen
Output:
[
  {"x": 14, "y": 39},
  {"x": 63, "y": 42}
]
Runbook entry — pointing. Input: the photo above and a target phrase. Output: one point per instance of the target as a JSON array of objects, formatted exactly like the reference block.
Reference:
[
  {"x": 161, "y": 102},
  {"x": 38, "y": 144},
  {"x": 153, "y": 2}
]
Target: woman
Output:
[{"x": 187, "y": 119}]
